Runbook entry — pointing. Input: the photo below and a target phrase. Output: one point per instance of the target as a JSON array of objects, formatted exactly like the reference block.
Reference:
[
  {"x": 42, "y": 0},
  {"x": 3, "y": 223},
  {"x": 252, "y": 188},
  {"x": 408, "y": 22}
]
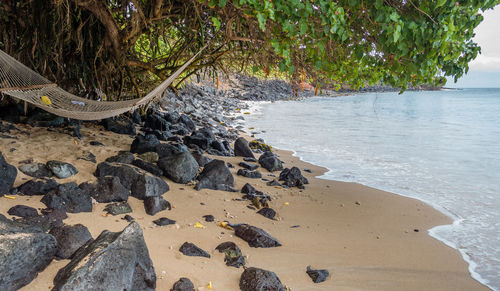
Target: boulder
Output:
[
  {"x": 267, "y": 212},
  {"x": 118, "y": 208},
  {"x": 249, "y": 174},
  {"x": 242, "y": 149},
  {"x": 201, "y": 159},
  {"x": 184, "y": 119},
  {"x": 106, "y": 189},
  {"x": 69, "y": 198},
  {"x": 190, "y": 249},
  {"x": 140, "y": 183},
  {"x": 62, "y": 170},
  {"x": 169, "y": 149},
  {"x": 172, "y": 117},
  {"x": 151, "y": 168},
  {"x": 153, "y": 205},
  {"x": 23, "y": 211},
  {"x": 123, "y": 157},
  {"x": 37, "y": 187},
  {"x": 69, "y": 239},
  {"x": 248, "y": 166},
  {"x": 120, "y": 125},
  {"x": 50, "y": 218},
  {"x": 293, "y": 178},
  {"x": 143, "y": 144},
  {"x": 184, "y": 284},
  {"x": 156, "y": 122},
  {"x": 113, "y": 261},
  {"x": 269, "y": 161},
  {"x": 36, "y": 170},
  {"x": 24, "y": 252},
  {"x": 8, "y": 174},
  {"x": 150, "y": 157},
  {"x": 201, "y": 138},
  {"x": 255, "y": 279},
  {"x": 233, "y": 256},
  {"x": 254, "y": 236},
  {"x": 317, "y": 276},
  {"x": 215, "y": 175},
  {"x": 180, "y": 168}
]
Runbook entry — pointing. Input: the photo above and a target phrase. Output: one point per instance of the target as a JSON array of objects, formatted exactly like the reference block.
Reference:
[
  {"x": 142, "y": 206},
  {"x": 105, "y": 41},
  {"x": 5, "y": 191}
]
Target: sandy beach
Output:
[{"x": 367, "y": 239}]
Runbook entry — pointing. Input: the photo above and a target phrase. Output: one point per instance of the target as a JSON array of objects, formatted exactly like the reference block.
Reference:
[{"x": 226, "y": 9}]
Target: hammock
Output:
[{"x": 21, "y": 82}]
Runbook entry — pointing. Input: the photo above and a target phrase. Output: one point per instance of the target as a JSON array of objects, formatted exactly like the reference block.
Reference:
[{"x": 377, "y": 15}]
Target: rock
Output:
[
  {"x": 62, "y": 170},
  {"x": 184, "y": 284},
  {"x": 89, "y": 157},
  {"x": 233, "y": 256},
  {"x": 106, "y": 189},
  {"x": 255, "y": 279},
  {"x": 201, "y": 159},
  {"x": 273, "y": 183},
  {"x": 187, "y": 122},
  {"x": 156, "y": 122},
  {"x": 113, "y": 261},
  {"x": 201, "y": 138},
  {"x": 123, "y": 157},
  {"x": 249, "y": 174},
  {"x": 68, "y": 197},
  {"x": 143, "y": 144},
  {"x": 50, "y": 218},
  {"x": 149, "y": 157},
  {"x": 269, "y": 161},
  {"x": 151, "y": 168},
  {"x": 248, "y": 166},
  {"x": 255, "y": 237},
  {"x": 293, "y": 178},
  {"x": 118, "y": 208},
  {"x": 36, "y": 170},
  {"x": 163, "y": 221},
  {"x": 128, "y": 218},
  {"x": 172, "y": 117},
  {"x": 209, "y": 218},
  {"x": 180, "y": 168},
  {"x": 140, "y": 183},
  {"x": 215, "y": 175},
  {"x": 161, "y": 135},
  {"x": 254, "y": 160},
  {"x": 153, "y": 205},
  {"x": 191, "y": 250},
  {"x": 96, "y": 143},
  {"x": 120, "y": 125},
  {"x": 23, "y": 211},
  {"x": 267, "y": 212},
  {"x": 37, "y": 187},
  {"x": 248, "y": 189},
  {"x": 69, "y": 239},
  {"x": 317, "y": 276},
  {"x": 242, "y": 149},
  {"x": 8, "y": 174},
  {"x": 24, "y": 252},
  {"x": 169, "y": 149}
]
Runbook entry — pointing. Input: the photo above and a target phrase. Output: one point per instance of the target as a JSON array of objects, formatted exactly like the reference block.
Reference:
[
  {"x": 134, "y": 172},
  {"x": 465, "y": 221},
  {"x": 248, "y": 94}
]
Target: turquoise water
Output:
[{"x": 441, "y": 147}]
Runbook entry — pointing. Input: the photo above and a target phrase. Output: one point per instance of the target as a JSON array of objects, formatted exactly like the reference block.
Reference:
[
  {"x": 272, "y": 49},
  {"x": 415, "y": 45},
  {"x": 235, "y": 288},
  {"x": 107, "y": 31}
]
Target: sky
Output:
[{"x": 484, "y": 71}]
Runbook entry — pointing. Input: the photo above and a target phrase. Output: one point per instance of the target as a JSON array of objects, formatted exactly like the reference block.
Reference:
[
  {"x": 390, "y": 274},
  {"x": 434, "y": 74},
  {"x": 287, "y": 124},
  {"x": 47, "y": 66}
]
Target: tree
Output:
[{"x": 124, "y": 47}]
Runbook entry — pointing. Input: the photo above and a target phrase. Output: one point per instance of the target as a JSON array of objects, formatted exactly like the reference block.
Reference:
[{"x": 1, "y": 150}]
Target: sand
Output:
[{"x": 366, "y": 238}]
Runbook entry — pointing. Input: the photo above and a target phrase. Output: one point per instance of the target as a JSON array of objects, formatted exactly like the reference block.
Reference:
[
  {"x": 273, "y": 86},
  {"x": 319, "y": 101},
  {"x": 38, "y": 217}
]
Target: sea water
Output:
[{"x": 442, "y": 147}]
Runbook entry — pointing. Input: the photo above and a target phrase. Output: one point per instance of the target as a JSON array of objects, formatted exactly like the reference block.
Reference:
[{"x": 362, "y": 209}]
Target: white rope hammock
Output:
[{"x": 19, "y": 81}]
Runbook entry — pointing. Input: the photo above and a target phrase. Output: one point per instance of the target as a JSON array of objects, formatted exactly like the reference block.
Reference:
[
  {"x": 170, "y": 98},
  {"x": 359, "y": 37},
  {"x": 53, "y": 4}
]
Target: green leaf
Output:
[
  {"x": 261, "y": 18},
  {"x": 255, "y": 69},
  {"x": 222, "y": 3},
  {"x": 216, "y": 23}
]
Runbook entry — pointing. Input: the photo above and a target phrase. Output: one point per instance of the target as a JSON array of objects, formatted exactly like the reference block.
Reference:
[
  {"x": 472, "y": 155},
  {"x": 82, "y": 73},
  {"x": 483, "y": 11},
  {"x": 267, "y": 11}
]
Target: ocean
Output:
[{"x": 442, "y": 147}]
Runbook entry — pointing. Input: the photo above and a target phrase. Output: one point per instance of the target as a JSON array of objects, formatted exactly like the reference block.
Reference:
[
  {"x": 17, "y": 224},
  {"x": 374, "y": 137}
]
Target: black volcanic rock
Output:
[
  {"x": 255, "y": 279},
  {"x": 69, "y": 239},
  {"x": 293, "y": 178},
  {"x": 37, "y": 187},
  {"x": 69, "y": 198},
  {"x": 144, "y": 144},
  {"x": 106, "y": 189},
  {"x": 8, "y": 174},
  {"x": 190, "y": 249},
  {"x": 317, "y": 276},
  {"x": 23, "y": 211},
  {"x": 241, "y": 148},
  {"x": 181, "y": 167},
  {"x": 255, "y": 237},
  {"x": 215, "y": 175},
  {"x": 269, "y": 161}
]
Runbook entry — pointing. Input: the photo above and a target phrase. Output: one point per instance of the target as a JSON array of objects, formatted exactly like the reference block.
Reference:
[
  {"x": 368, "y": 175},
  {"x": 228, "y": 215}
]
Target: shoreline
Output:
[{"x": 454, "y": 220}]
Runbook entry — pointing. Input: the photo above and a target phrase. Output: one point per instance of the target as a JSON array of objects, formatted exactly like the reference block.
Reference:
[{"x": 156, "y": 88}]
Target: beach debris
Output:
[
  {"x": 198, "y": 225},
  {"x": 233, "y": 256},
  {"x": 25, "y": 252},
  {"x": 118, "y": 208},
  {"x": 80, "y": 103},
  {"x": 317, "y": 276},
  {"x": 183, "y": 284},
  {"x": 258, "y": 279},
  {"x": 8, "y": 174},
  {"x": 267, "y": 212},
  {"x": 106, "y": 189},
  {"x": 36, "y": 170},
  {"x": 9, "y": 196},
  {"x": 62, "y": 170},
  {"x": 357, "y": 203},
  {"x": 242, "y": 149},
  {"x": 209, "y": 218},
  {"x": 254, "y": 236},
  {"x": 190, "y": 249},
  {"x": 163, "y": 221},
  {"x": 293, "y": 178},
  {"x": 124, "y": 252},
  {"x": 155, "y": 204},
  {"x": 269, "y": 161},
  {"x": 225, "y": 225},
  {"x": 416, "y": 230},
  {"x": 209, "y": 285},
  {"x": 23, "y": 211},
  {"x": 69, "y": 239}
]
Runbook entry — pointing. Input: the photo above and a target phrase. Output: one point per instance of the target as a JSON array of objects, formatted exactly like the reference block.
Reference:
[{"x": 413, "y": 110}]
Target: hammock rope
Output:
[{"x": 19, "y": 81}]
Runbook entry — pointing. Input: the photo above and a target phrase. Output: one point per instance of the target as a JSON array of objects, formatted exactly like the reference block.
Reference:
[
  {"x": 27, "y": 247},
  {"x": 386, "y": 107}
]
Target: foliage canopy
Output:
[{"x": 124, "y": 47}]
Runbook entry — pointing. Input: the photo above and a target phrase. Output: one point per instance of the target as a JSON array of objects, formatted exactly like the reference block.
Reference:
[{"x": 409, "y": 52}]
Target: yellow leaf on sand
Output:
[
  {"x": 209, "y": 286},
  {"x": 45, "y": 100},
  {"x": 251, "y": 127},
  {"x": 286, "y": 203},
  {"x": 246, "y": 112},
  {"x": 198, "y": 225},
  {"x": 76, "y": 142},
  {"x": 9, "y": 197},
  {"x": 224, "y": 225}
]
